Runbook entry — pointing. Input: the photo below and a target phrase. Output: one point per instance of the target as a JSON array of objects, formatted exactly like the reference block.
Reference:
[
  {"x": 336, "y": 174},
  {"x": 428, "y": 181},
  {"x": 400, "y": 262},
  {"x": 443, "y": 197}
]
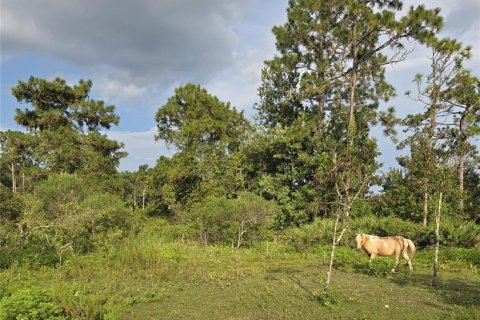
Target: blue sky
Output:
[{"x": 137, "y": 52}]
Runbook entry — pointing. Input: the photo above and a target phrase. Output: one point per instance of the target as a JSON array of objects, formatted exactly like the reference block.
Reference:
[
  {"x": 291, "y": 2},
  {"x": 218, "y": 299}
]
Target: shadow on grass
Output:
[
  {"x": 461, "y": 292},
  {"x": 453, "y": 291}
]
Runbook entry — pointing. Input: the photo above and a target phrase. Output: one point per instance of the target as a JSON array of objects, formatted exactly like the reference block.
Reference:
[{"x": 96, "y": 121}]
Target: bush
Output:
[
  {"x": 31, "y": 303},
  {"x": 328, "y": 297},
  {"x": 307, "y": 235},
  {"x": 11, "y": 204},
  {"x": 460, "y": 234},
  {"x": 68, "y": 213},
  {"x": 233, "y": 221},
  {"x": 452, "y": 232}
]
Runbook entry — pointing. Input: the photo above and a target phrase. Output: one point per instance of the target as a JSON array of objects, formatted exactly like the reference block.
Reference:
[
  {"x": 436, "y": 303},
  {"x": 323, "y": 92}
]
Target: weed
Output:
[{"x": 328, "y": 297}]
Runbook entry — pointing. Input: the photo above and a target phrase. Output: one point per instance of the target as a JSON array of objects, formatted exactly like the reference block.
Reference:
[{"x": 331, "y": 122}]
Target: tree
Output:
[
  {"x": 462, "y": 98},
  {"x": 450, "y": 97},
  {"x": 205, "y": 132},
  {"x": 330, "y": 78},
  {"x": 194, "y": 120},
  {"x": 66, "y": 124},
  {"x": 16, "y": 153},
  {"x": 450, "y": 100}
]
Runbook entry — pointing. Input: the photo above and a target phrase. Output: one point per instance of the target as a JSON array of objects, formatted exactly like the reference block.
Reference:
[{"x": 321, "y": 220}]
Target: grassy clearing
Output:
[{"x": 148, "y": 279}]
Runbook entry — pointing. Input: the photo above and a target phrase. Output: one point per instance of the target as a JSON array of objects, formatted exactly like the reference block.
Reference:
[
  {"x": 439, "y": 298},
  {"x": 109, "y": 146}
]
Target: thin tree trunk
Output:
[
  {"x": 461, "y": 158},
  {"x": 14, "y": 179},
  {"x": 241, "y": 232},
  {"x": 461, "y": 170},
  {"x": 437, "y": 244},
  {"x": 425, "y": 206},
  {"x": 143, "y": 199},
  {"x": 332, "y": 253},
  {"x": 353, "y": 83}
]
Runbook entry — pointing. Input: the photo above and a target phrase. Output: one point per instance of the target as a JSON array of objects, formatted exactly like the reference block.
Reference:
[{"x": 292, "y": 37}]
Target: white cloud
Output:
[
  {"x": 238, "y": 84},
  {"x": 114, "y": 91},
  {"x": 137, "y": 41},
  {"x": 141, "y": 147}
]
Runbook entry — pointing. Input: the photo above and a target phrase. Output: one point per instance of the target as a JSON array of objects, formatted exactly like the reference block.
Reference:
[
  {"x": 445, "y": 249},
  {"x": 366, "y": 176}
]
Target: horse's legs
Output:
[
  {"x": 397, "y": 261},
  {"x": 370, "y": 262},
  {"x": 405, "y": 255}
]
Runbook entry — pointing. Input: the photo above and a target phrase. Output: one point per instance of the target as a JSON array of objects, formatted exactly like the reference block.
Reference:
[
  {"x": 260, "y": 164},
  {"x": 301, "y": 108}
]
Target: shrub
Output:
[
  {"x": 11, "y": 204},
  {"x": 452, "y": 232},
  {"x": 304, "y": 237},
  {"x": 328, "y": 297},
  {"x": 68, "y": 212},
  {"x": 31, "y": 303},
  {"x": 460, "y": 234},
  {"x": 234, "y": 221}
]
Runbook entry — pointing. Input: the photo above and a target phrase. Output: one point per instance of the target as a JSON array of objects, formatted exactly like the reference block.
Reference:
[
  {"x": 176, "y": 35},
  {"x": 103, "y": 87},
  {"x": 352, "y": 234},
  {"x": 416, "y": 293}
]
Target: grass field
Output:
[{"x": 148, "y": 279}]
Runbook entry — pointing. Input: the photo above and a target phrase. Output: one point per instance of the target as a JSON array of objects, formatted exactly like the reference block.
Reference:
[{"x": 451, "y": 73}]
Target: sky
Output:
[{"x": 137, "y": 53}]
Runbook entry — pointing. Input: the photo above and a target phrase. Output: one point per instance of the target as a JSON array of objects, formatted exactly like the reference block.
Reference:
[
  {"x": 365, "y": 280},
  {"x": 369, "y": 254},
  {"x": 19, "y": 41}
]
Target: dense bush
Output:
[
  {"x": 452, "y": 232},
  {"x": 68, "y": 213},
  {"x": 30, "y": 303},
  {"x": 233, "y": 221},
  {"x": 11, "y": 205},
  {"x": 303, "y": 237}
]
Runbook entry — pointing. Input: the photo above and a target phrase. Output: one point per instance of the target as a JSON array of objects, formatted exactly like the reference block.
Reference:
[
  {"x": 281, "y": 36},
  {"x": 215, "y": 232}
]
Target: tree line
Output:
[{"x": 309, "y": 154}]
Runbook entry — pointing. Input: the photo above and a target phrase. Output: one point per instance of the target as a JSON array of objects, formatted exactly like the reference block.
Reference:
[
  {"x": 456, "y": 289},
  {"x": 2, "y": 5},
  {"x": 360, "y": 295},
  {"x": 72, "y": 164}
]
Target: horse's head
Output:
[{"x": 359, "y": 240}]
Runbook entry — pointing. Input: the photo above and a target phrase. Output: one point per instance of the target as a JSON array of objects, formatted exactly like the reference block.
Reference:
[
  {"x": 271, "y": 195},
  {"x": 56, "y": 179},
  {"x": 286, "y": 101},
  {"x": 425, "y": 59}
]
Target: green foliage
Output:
[
  {"x": 11, "y": 205},
  {"x": 29, "y": 303},
  {"x": 309, "y": 235},
  {"x": 328, "y": 297},
  {"x": 63, "y": 128},
  {"x": 279, "y": 165},
  {"x": 194, "y": 120},
  {"x": 234, "y": 221},
  {"x": 472, "y": 194},
  {"x": 71, "y": 212},
  {"x": 206, "y": 132},
  {"x": 56, "y": 105},
  {"x": 453, "y": 232}
]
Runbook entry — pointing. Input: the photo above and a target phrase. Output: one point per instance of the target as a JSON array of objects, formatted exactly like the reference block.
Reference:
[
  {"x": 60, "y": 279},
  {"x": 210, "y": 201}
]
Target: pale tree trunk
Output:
[
  {"x": 14, "y": 178},
  {"x": 332, "y": 253},
  {"x": 241, "y": 231},
  {"x": 425, "y": 206},
  {"x": 437, "y": 244},
  {"x": 143, "y": 199}
]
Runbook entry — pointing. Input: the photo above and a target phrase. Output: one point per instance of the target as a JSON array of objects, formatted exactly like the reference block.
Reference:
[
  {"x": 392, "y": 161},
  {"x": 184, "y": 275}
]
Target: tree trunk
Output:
[
  {"x": 143, "y": 199},
  {"x": 461, "y": 157},
  {"x": 425, "y": 206},
  {"x": 437, "y": 244},
  {"x": 332, "y": 253},
  {"x": 14, "y": 178},
  {"x": 461, "y": 170},
  {"x": 353, "y": 83},
  {"x": 242, "y": 229}
]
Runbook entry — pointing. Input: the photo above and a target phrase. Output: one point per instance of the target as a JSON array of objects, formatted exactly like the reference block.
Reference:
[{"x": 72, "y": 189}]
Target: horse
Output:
[{"x": 386, "y": 246}]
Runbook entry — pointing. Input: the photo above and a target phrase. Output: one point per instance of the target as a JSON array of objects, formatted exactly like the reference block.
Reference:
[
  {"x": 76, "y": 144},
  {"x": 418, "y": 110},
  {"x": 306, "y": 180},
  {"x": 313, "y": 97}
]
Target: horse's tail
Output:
[{"x": 411, "y": 247}]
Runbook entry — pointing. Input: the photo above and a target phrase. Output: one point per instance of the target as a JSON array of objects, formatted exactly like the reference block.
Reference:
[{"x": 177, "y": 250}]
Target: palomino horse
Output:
[{"x": 386, "y": 246}]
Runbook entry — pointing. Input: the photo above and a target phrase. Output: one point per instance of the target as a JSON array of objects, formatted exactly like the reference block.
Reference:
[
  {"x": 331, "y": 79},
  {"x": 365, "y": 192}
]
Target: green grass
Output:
[{"x": 146, "y": 278}]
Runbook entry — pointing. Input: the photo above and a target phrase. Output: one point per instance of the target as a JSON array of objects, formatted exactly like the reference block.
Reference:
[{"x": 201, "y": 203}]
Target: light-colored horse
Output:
[{"x": 386, "y": 246}]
